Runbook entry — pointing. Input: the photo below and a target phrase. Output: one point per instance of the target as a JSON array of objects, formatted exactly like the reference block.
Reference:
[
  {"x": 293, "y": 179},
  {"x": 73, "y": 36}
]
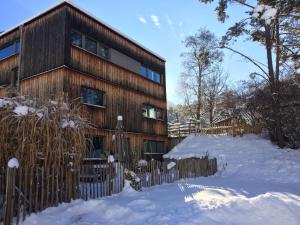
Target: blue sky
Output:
[{"x": 160, "y": 25}]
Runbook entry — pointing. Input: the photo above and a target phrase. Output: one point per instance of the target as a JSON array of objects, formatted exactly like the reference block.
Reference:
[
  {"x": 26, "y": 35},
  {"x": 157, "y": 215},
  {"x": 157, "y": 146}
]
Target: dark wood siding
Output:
[
  {"x": 11, "y": 63},
  {"x": 8, "y": 69},
  {"x": 100, "y": 32},
  {"x": 43, "y": 45},
  {"x": 118, "y": 101},
  {"x": 91, "y": 64},
  {"x": 7, "y": 38}
]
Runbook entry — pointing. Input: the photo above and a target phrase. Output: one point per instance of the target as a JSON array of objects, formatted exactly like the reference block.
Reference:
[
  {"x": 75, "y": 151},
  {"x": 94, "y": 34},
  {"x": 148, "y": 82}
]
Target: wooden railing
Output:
[
  {"x": 29, "y": 190},
  {"x": 181, "y": 130}
]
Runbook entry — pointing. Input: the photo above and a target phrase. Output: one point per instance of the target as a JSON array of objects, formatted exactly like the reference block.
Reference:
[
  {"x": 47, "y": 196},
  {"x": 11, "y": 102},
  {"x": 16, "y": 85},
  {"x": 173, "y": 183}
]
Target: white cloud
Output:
[
  {"x": 155, "y": 20},
  {"x": 142, "y": 20}
]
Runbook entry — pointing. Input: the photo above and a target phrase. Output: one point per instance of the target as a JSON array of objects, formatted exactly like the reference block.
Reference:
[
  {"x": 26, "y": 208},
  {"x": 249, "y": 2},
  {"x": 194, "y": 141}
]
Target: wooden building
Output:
[{"x": 64, "y": 51}]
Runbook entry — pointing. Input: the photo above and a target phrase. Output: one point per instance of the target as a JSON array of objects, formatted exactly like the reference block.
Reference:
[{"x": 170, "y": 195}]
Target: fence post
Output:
[{"x": 9, "y": 196}]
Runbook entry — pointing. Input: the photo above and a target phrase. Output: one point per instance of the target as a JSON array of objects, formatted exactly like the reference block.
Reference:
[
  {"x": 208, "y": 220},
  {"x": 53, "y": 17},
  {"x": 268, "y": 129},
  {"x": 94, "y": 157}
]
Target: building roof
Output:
[{"x": 66, "y": 2}]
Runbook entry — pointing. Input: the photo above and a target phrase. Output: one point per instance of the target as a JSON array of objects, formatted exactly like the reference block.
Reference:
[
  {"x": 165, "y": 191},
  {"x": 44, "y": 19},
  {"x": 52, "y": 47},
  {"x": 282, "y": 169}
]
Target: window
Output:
[
  {"x": 103, "y": 51},
  {"x": 91, "y": 45},
  {"x": 94, "y": 146},
  {"x": 10, "y": 50},
  {"x": 91, "y": 96},
  {"x": 76, "y": 39},
  {"x": 150, "y": 74},
  {"x": 152, "y": 112},
  {"x": 143, "y": 71},
  {"x": 157, "y": 77},
  {"x": 153, "y": 147}
]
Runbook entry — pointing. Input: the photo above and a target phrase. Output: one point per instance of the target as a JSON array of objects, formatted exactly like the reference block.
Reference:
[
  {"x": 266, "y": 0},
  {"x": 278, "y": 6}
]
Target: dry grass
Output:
[{"x": 51, "y": 133}]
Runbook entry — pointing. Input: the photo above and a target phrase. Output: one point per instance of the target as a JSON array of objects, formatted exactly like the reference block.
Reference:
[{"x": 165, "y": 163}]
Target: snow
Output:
[
  {"x": 265, "y": 12},
  {"x": 257, "y": 184},
  {"x": 171, "y": 165},
  {"x": 68, "y": 123},
  {"x": 120, "y": 118},
  {"x": 110, "y": 159},
  {"x": 21, "y": 110},
  {"x": 142, "y": 162},
  {"x": 13, "y": 163}
]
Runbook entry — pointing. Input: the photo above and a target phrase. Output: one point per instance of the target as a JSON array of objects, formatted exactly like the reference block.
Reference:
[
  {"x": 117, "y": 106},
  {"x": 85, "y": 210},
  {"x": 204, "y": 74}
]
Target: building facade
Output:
[{"x": 64, "y": 51}]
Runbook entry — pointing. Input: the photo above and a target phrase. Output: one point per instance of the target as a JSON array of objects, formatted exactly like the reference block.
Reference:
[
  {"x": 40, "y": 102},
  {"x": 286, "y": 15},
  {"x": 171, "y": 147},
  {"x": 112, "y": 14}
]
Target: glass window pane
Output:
[
  {"x": 76, "y": 39},
  {"x": 103, "y": 51},
  {"x": 152, "y": 113},
  {"x": 157, "y": 77},
  {"x": 143, "y": 71},
  {"x": 95, "y": 146},
  {"x": 151, "y": 74},
  {"x": 145, "y": 111},
  {"x": 7, "y": 51},
  {"x": 158, "y": 113},
  {"x": 91, "y": 96},
  {"x": 91, "y": 45},
  {"x": 17, "y": 46},
  {"x": 160, "y": 147}
]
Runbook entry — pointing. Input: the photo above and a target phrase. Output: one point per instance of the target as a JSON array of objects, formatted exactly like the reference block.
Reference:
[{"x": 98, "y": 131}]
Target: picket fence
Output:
[{"x": 28, "y": 190}]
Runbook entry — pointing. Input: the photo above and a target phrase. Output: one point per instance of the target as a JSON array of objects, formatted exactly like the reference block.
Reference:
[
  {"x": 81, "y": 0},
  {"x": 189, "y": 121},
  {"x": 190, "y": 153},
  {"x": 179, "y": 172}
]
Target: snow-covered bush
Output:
[
  {"x": 50, "y": 133},
  {"x": 133, "y": 178}
]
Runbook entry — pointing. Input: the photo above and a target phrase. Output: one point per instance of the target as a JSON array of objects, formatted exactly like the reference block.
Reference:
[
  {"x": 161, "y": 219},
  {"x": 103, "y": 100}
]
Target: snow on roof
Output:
[{"x": 71, "y": 3}]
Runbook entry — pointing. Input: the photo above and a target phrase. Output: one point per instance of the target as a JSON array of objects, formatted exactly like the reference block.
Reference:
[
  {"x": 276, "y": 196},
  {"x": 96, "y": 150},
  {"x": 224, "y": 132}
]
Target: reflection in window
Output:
[
  {"x": 10, "y": 50},
  {"x": 150, "y": 74},
  {"x": 143, "y": 71},
  {"x": 103, "y": 51},
  {"x": 91, "y": 45},
  {"x": 76, "y": 39},
  {"x": 91, "y": 96},
  {"x": 153, "y": 147},
  {"x": 94, "y": 146},
  {"x": 152, "y": 112}
]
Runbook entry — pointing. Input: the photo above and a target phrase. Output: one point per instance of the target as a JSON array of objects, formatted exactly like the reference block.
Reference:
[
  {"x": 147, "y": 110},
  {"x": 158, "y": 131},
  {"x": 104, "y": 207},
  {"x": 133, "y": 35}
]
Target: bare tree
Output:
[
  {"x": 214, "y": 85},
  {"x": 275, "y": 24},
  {"x": 199, "y": 61}
]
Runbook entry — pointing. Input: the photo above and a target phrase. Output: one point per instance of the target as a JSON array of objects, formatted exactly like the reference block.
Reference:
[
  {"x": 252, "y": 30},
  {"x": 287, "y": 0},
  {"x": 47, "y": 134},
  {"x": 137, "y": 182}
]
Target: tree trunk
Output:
[{"x": 274, "y": 87}]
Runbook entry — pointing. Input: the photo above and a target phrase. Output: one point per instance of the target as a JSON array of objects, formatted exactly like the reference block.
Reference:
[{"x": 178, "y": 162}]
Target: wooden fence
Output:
[
  {"x": 179, "y": 130},
  {"x": 27, "y": 190}
]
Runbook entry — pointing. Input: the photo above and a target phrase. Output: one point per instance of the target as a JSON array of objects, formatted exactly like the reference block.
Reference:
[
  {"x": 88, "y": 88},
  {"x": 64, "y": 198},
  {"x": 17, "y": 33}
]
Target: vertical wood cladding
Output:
[
  {"x": 7, "y": 69},
  {"x": 43, "y": 43},
  {"x": 119, "y": 101},
  {"x": 11, "y": 36},
  {"x": 136, "y": 141},
  {"x": 9, "y": 64},
  {"x": 91, "y": 64},
  {"x": 88, "y": 26},
  {"x": 44, "y": 86}
]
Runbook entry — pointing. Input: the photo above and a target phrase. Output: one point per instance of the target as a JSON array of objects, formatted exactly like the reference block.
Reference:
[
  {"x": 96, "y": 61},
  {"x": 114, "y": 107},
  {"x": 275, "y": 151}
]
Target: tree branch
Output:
[{"x": 248, "y": 58}]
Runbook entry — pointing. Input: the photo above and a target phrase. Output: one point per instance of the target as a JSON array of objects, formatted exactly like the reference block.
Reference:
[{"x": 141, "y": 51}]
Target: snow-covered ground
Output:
[{"x": 257, "y": 184}]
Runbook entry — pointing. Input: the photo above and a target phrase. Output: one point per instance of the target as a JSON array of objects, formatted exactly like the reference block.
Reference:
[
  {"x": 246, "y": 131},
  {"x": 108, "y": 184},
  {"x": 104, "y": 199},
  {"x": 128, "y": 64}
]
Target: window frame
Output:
[
  {"x": 16, "y": 49},
  {"x": 98, "y": 45},
  {"x": 90, "y": 104},
  {"x": 82, "y": 38},
  {"x": 92, "y": 39},
  {"x": 145, "y": 105},
  {"x": 150, "y": 74},
  {"x": 155, "y": 152}
]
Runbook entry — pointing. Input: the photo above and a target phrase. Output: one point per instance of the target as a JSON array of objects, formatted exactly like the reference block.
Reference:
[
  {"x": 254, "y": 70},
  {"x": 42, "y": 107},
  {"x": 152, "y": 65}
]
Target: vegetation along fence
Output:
[
  {"x": 27, "y": 190},
  {"x": 179, "y": 130}
]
